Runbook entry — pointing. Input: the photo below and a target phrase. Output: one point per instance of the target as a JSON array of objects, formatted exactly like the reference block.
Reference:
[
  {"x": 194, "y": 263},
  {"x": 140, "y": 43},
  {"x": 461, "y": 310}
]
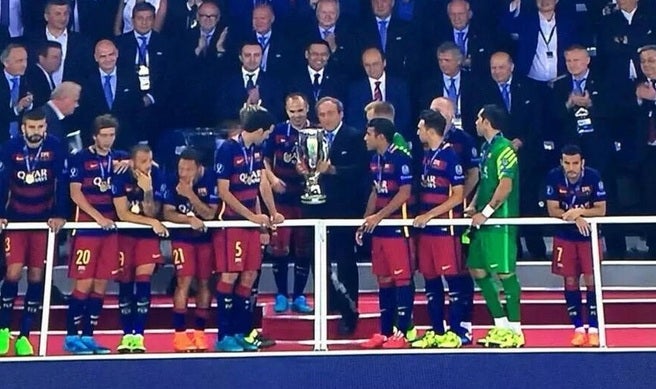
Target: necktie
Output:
[
  {"x": 452, "y": 91},
  {"x": 51, "y": 81},
  {"x": 652, "y": 122},
  {"x": 382, "y": 32},
  {"x": 316, "y": 86},
  {"x": 107, "y": 90},
  {"x": 505, "y": 94},
  {"x": 250, "y": 84},
  {"x": 378, "y": 94},
  {"x": 15, "y": 88},
  {"x": 330, "y": 136},
  {"x": 142, "y": 50},
  {"x": 578, "y": 86},
  {"x": 460, "y": 41},
  {"x": 71, "y": 20},
  {"x": 4, "y": 13},
  {"x": 263, "y": 41},
  {"x": 208, "y": 38},
  {"x": 324, "y": 33}
]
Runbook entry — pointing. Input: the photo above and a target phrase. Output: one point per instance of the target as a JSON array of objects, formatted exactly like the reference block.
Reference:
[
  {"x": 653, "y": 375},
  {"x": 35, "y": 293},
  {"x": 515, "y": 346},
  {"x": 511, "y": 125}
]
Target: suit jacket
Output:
[
  {"x": 332, "y": 85},
  {"x": 233, "y": 94},
  {"x": 643, "y": 112},
  {"x": 595, "y": 145},
  {"x": 158, "y": 62},
  {"x": 401, "y": 47},
  {"x": 527, "y": 27},
  {"x": 56, "y": 127},
  {"x": 346, "y": 191},
  {"x": 396, "y": 93},
  {"x": 127, "y": 102},
  {"x": 282, "y": 57},
  {"x": 79, "y": 54},
  {"x": 345, "y": 61},
  {"x": 39, "y": 84},
  {"x": 524, "y": 117},
  {"x": 7, "y": 114},
  {"x": 469, "y": 91},
  {"x": 480, "y": 44}
]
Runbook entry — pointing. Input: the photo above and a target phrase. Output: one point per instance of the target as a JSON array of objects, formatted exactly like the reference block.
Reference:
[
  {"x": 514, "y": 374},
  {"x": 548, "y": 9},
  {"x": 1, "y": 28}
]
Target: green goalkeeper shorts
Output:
[{"x": 493, "y": 248}]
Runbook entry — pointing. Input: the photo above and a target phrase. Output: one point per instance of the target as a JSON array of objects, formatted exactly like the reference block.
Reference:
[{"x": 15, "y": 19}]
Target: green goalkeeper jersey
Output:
[{"x": 498, "y": 160}]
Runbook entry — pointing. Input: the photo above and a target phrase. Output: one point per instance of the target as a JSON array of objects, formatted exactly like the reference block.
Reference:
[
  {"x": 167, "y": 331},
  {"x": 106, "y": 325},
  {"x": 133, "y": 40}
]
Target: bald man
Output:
[{"x": 111, "y": 90}]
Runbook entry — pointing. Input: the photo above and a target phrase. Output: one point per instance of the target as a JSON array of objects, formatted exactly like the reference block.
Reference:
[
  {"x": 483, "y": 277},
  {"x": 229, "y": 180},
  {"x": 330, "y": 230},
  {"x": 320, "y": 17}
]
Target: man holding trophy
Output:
[{"x": 336, "y": 155}]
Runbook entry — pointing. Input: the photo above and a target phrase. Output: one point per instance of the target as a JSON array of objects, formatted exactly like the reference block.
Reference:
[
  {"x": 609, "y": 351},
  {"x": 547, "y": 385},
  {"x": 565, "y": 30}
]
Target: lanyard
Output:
[
  {"x": 244, "y": 150},
  {"x": 427, "y": 166},
  {"x": 29, "y": 160},
  {"x": 551, "y": 34},
  {"x": 577, "y": 185},
  {"x": 379, "y": 179}
]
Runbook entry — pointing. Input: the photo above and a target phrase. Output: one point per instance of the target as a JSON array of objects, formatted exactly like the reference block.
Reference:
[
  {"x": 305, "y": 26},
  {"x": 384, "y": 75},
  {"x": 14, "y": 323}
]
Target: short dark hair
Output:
[
  {"x": 384, "y": 127},
  {"x": 497, "y": 116},
  {"x": 433, "y": 120},
  {"x": 138, "y": 148},
  {"x": 145, "y": 6},
  {"x": 191, "y": 154},
  {"x": 571, "y": 150},
  {"x": 256, "y": 120},
  {"x": 318, "y": 42},
  {"x": 104, "y": 121},
  {"x": 35, "y": 114},
  {"x": 249, "y": 42},
  {"x": 42, "y": 49},
  {"x": 51, "y": 3},
  {"x": 298, "y": 95}
]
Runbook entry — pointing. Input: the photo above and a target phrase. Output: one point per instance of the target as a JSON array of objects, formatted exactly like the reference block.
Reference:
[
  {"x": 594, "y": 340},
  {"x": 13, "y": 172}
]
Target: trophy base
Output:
[{"x": 313, "y": 199}]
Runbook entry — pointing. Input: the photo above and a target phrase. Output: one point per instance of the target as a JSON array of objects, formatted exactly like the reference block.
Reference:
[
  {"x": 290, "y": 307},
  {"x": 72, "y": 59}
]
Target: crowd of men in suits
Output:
[{"x": 196, "y": 63}]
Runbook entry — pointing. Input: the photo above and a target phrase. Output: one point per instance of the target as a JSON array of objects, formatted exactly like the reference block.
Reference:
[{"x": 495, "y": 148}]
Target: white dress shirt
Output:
[
  {"x": 382, "y": 86},
  {"x": 544, "y": 66}
]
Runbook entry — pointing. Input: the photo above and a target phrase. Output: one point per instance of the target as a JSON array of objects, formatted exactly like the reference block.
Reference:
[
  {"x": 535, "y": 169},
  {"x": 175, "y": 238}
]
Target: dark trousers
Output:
[{"x": 648, "y": 190}]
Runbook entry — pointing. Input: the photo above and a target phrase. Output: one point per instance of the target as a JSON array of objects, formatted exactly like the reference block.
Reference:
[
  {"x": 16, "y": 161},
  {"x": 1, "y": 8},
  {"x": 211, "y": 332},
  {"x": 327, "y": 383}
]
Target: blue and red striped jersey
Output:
[
  {"x": 465, "y": 146},
  {"x": 125, "y": 185},
  {"x": 206, "y": 190},
  {"x": 242, "y": 166},
  {"x": 280, "y": 149},
  {"x": 441, "y": 172},
  {"x": 34, "y": 183},
  {"x": 389, "y": 173}
]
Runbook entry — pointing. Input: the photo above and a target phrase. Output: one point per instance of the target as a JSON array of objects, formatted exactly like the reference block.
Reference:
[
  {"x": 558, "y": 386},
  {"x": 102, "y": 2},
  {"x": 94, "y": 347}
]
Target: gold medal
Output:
[
  {"x": 135, "y": 208},
  {"x": 103, "y": 186},
  {"x": 29, "y": 178}
]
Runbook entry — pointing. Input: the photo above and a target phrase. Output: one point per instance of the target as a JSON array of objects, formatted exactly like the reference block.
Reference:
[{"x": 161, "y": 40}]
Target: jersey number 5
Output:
[{"x": 238, "y": 251}]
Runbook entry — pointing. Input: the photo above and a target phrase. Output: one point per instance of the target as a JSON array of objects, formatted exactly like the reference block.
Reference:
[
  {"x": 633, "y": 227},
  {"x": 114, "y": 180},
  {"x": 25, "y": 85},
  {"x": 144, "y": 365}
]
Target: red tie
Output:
[{"x": 378, "y": 95}]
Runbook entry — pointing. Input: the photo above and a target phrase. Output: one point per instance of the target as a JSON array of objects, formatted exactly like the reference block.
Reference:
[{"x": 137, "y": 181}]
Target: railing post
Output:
[
  {"x": 47, "y": 292},
  {"x": 596, "y": 268},
  {"x": 317, "y": 287},
  {"x": 321, "y": 304}
]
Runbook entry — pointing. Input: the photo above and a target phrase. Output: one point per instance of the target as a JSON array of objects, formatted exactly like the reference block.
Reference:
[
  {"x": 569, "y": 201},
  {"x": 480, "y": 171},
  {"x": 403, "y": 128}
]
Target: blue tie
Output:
[
  {"x": 324, "y": 33},
  {"x": 460, "y": 41},
  {"x": 382, "y": 31},
  {"x": 142, "y": 50},
  {"x": 578, "y": 86},
  {"x": 452, "y": 91},
  {"x": 505, "y": 94},
  {"x": 330, "y": 136},
  {"x": 15, "y": 88},
  {"x": 107, "y": 89}
]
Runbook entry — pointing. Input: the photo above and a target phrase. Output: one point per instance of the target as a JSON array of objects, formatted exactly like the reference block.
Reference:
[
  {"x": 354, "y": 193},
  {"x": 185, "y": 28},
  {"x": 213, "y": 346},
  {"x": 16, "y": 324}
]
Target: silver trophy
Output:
[{"x": 311, "y": 149}]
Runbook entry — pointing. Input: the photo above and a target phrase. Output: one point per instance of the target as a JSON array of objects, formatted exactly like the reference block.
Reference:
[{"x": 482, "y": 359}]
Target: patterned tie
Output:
[
  {"x": 382, "y": 32},
  {"x": 505, "y": 95},
  {"x": 460, "y": 41},
  {"x": 324, "y": 33},
  {"x": 250, "y": 84},
  {"x": 378, "y": 94},
  {"x": 4, "y": 13},
  {"x": 263, "y": 41},
  {"x": 107, "y": 90},
  {"x": 330, "y": 136},
  {"x": 143, "y": 46}
]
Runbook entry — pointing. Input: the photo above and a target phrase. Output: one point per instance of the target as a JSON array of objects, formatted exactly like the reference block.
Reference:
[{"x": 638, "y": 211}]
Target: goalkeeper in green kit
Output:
[{"x": 494, "y": 247}]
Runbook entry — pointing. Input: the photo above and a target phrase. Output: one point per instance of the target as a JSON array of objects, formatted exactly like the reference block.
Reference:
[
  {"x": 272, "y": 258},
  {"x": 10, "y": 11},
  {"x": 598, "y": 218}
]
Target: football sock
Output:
[
  {"x": 242, "y": 309},
  {"x": 461, "y": 292},
  {"x": 255, "y": 289},
  {"x": 591, "y": 302},
  {"x": 76, "y": 304},
  {"x": 491, "y": 296},
  {"x": 93, "y": 307},
  {"x": 280, "y": 265},
  {"x": 404, "y": 307},
  {"x": 8, "y": 292},
  {"x": 200, "y": 322},
  {"x": 142, "y": 303},
  {"x": 125, "y": 297},
  {"x": 387, "y": 304},
  {"x": 179, "y": 319},
  {"x": 512, "y": 291},
  {"x": 224, "y": 304},
  {"x": 573, "y": 302},
  {"x": 435, "y": 297},
  {"x": 33, "y": 298},
  {"x": 301, "y": 273}
]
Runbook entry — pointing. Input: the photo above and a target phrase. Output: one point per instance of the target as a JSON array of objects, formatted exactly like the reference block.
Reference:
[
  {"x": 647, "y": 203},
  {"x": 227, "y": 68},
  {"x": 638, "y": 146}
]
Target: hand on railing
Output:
[
  {"x": 358, "y": 236},
  {"x": 106, "y": 224},
  {"x": 3, "y": 224},
  {"x": 56, "y": 224},
  {"x": 421, "y": 221},
  {"x": 159, "y": 229},
  {"x": 261, "y": 219},
  {"x": 197, "y": 224},
  {"x": 370, "y": 222}
]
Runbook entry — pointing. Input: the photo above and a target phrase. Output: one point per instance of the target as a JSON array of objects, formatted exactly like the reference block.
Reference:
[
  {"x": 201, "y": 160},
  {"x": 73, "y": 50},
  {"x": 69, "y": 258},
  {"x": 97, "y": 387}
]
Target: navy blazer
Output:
[
  {"x": 233, "y": 94},
  {"x": 7, "y": 114},
  {"x": 396, "y": 93},
  {"x": 527, "y": 26}
]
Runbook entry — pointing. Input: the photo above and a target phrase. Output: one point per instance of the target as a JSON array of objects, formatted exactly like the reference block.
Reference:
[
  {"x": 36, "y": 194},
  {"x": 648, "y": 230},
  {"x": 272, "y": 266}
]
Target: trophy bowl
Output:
[{"x": 311, "y": 149}]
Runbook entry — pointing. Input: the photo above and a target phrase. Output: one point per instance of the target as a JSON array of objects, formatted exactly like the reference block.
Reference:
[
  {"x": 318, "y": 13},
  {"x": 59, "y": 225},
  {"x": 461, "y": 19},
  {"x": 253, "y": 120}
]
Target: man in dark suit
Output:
[
  {"x": 507, "y": 89},
  {"x": 111, "y": 90},
  {"x": 317, "y": 81},
  {"x": 392, "y": 36},
  {"x": 90, "y": 18},
  {"x": 61, "y": 105},
  {"x": 249, "y": 86},
  {"x": 40, "y": 73},
  {"x": 343, "y": 179},
  {"x": 338, "y": 33},
  {"x": 76, "y": 52},
  {"x": 202, "y": 59},
  {"x": 146, "y": 53},
  {"x": 15, "y": 97},
  {"x": 378, "y": 86},
  {"x": 460, "y": 87}
]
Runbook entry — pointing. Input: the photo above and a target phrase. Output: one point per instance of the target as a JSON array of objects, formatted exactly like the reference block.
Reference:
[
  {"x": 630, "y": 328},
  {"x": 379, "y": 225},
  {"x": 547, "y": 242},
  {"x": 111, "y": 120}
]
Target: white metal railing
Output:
[{"x": 320, "y": 251}]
